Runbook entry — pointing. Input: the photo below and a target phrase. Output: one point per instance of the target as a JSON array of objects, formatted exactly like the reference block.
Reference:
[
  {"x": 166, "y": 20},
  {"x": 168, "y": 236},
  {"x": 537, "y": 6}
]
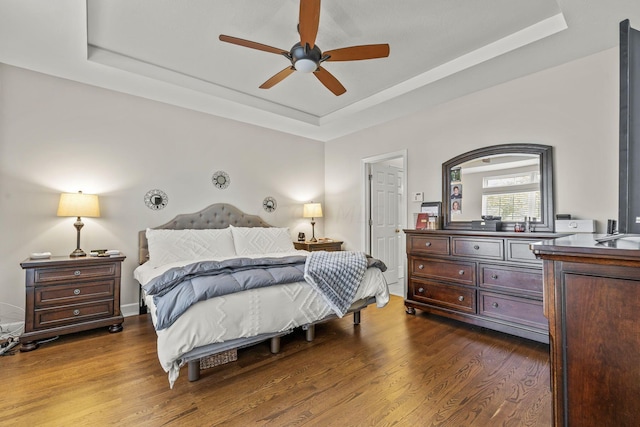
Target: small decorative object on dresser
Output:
[
  {"x": 66, "y": 295},
  {"x": 487, "y": 279},
  {"x": 320, "y": 245}
]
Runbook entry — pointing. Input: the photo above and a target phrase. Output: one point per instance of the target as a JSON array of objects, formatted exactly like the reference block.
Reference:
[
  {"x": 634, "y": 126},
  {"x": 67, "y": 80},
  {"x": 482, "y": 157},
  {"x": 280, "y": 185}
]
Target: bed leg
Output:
[
  {"x": 275, "y": 345},
  {"x": 310, "y": 332},
  {"x": 356, "y": 317},
  {"x": 194, "y": 369}
]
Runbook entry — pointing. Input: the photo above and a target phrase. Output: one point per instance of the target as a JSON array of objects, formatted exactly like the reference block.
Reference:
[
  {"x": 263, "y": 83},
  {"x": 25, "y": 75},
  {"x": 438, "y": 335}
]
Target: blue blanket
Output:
[
  {"x": 336, "y": 276},
  {"x": 179, "y": 288}
]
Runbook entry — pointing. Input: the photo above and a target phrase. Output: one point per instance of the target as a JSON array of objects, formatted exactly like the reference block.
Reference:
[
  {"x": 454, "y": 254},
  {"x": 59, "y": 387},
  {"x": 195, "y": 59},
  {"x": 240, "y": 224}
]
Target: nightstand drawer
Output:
[
  {"x": 47, "y": 275},
  {"x": 447, "y": 296},
  {"x": 459, "y": 272},
  {"x": 72, "y": 314},
  {"x": 73, "y": 294}
]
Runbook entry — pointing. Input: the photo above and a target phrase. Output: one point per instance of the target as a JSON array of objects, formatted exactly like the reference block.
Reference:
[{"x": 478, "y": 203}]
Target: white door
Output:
[{"x": 385, "y": 231}]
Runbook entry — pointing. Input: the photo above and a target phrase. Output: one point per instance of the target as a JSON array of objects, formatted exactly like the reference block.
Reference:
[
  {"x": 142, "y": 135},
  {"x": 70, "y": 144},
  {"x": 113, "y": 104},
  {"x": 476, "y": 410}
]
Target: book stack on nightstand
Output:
[{"x": 320, "y": 245}]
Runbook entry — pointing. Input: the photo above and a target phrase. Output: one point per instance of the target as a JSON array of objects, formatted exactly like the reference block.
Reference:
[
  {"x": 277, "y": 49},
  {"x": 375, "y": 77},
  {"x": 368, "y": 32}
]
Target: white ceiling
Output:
[{"x": 169, "y": 51}]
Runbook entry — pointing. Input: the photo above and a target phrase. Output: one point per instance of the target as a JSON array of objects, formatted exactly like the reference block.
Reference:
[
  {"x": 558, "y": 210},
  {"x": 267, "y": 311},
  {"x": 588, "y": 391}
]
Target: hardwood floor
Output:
[{"x": 393, "y": 369}]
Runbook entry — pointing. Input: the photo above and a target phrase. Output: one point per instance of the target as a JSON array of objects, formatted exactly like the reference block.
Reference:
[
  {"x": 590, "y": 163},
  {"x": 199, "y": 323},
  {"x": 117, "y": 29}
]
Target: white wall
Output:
[
  {"x": 56, "y": 135},
  {"x": 60, "y": 136},
  {"x": 573, "y": 107}
]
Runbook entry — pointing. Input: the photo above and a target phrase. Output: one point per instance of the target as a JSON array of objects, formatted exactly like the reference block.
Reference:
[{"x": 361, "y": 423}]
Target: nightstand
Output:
[
  {"x": 333, "y": 245},
  {"x": 66, "y": 295}
]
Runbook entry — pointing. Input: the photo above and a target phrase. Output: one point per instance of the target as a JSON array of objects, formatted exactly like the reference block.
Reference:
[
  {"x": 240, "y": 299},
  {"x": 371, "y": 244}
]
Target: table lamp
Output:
[
  {"x": 78, "y": 205},
  {"x": 312, "y": 210}
]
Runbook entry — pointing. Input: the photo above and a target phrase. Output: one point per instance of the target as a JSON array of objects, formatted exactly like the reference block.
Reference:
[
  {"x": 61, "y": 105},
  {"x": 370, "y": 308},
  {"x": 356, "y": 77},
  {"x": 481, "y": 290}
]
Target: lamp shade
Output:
[
  {"x": 79, "y": 205},
  {"x": 312, "y": 210}
]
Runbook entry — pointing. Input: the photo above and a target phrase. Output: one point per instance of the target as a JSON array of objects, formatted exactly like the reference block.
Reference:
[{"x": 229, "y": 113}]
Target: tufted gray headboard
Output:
[{"x": 219, "y": 215}]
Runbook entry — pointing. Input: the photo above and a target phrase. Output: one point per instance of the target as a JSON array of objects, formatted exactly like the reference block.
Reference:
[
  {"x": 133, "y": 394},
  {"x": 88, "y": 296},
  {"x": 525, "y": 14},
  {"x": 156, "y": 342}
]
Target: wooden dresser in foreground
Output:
[
  {"x": 592, "y": 295},
  {"x": 489, "y": 279},
  {"x": 66, "y": 295}
]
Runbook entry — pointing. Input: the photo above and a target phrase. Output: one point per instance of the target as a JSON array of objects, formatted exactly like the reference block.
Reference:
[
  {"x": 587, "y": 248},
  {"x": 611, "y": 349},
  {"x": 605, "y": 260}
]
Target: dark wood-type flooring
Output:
[{"x": 393, "y": 369}]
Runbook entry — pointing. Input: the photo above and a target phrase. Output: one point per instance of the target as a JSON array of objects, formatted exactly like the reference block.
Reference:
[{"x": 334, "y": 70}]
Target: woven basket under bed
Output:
[{"x": 219, "y": 359}]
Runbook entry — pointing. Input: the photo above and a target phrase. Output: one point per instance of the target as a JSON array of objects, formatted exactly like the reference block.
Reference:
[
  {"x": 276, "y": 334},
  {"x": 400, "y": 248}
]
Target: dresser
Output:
[
  {"x": 488, "y": 279},
  {"x": 66, "y": 295},
  {"x": 333, "y": 245},
  {"x": 592, "y": 296}
]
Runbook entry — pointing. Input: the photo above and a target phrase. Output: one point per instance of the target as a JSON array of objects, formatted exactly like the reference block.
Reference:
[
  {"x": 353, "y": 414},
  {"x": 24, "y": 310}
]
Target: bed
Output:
[{"x": 221, "y": 243}]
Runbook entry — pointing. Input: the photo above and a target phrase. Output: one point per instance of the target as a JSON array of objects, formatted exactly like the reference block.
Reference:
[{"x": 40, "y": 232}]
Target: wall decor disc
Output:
[
  {"x": 269, "y": 204},
  {"x": 221, "y": 180},
  {"x": 156, "y": 199}
]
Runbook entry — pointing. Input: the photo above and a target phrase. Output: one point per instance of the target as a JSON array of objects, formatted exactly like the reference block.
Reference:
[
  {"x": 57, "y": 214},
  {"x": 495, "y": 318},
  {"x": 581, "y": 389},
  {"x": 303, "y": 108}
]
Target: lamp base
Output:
[{"x": 77, "y": 253}]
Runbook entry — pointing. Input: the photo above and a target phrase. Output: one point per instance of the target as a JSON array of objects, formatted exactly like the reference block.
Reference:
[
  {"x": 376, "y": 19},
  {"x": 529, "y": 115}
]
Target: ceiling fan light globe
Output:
[{"x": 305, "y": 65}]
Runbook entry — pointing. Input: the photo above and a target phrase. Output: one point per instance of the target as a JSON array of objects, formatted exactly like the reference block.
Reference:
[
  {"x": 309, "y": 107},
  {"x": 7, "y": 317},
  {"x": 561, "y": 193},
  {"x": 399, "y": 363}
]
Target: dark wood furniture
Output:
[
  {"x": 66, "y": 295},
  {"x": 489, "y": 279},
  {"x": 592, "y": 299},
  {"x": 333, "y": 245}
]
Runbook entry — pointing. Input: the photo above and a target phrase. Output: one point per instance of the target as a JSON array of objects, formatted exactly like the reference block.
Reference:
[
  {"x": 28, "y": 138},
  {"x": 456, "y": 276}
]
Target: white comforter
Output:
[{"x": 246, "y": 314}]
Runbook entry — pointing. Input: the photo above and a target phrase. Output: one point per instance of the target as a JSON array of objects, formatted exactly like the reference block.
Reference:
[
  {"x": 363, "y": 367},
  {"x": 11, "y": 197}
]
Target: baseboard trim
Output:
[{"x": 130, "y": 309}]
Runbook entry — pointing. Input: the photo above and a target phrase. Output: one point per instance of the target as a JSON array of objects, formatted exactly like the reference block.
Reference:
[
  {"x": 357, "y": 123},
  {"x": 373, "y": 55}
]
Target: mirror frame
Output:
[{"x": 544, "y": 224}]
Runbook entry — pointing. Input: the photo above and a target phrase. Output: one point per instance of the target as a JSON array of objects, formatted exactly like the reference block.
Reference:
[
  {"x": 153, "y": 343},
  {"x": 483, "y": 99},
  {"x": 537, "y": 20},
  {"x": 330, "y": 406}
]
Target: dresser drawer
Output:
[
  {"x": 512, "y": 309},
  {"x": 523, "y": 280},
  {"x": 74, "y": 293},
  {"x": 478, "y": 248},
  {"x": 454, "y": 271},
  {"x": 47, "y": 275},
  {"x": 447, "y": 296},
  {"x": 72, "y": 314},
  {"x": 429, "y": 244},
  {"x": 519, "y": 251}
]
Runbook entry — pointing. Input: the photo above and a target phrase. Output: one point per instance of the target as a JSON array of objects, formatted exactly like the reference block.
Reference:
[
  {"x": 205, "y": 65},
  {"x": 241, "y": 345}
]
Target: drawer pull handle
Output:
[
  {"x": 76, "y": 273},
  {"x": 76, "y": 291},
  {"x": 494, "y": 276},
  {"x": 476, "y": 247},
  {"x": 427, "y": 244},
  {"x": 461, "y": 272},
  {"x": 76, "y": 312},
  {"x": 495, "y": 305},
  {"x": 461, "y": 298},
  {"x": 421, "y": 290},
  {"x": 421, "y": 266}
]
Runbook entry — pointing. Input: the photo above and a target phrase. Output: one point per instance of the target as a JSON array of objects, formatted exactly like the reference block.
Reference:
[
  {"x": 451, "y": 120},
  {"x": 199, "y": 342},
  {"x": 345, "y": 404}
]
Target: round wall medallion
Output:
[
  {"x": 221, "y": 179},
  {"x": 269, "y": 204},
  {"x": 156, "y": 199}
]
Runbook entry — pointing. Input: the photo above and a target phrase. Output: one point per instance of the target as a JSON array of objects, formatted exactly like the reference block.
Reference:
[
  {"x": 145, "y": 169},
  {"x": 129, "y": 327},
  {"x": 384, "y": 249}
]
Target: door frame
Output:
[{"x": 366, "y": 196}]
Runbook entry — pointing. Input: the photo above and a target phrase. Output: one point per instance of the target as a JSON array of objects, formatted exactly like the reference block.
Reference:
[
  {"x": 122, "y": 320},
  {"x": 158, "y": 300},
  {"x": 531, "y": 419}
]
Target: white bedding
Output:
[{"x": 246, "y": 314}]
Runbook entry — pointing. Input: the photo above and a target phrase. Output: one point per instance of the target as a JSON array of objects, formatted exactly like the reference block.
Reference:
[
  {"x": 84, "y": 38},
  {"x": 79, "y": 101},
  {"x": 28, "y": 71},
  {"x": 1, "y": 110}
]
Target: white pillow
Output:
[
  {"x": 260, "y": 240},
  {"x": 167, "y": 246}
]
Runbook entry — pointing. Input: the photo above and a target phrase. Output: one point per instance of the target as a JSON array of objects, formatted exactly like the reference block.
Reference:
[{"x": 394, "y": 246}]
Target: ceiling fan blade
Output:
[
  {"x": 356, "y": 53},
  {"x": 252, "y": 45},
  {"x": 277, "y": 78},
  {"x": 331, "y": 83},
  {"x": 309, "y": 21}
]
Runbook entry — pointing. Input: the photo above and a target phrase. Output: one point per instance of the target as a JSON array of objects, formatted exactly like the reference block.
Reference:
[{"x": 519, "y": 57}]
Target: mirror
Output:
[{"x": 512, "y": 181}]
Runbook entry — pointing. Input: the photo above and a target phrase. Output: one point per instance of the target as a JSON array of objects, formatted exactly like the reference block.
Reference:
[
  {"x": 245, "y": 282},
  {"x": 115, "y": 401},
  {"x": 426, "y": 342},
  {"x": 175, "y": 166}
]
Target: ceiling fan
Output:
[{"x": 306, "y": 56}]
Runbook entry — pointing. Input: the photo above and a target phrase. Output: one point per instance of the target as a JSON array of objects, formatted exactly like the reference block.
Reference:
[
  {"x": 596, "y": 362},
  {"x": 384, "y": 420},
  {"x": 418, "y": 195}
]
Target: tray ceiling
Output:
[{"x": 169, "y": 51}]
